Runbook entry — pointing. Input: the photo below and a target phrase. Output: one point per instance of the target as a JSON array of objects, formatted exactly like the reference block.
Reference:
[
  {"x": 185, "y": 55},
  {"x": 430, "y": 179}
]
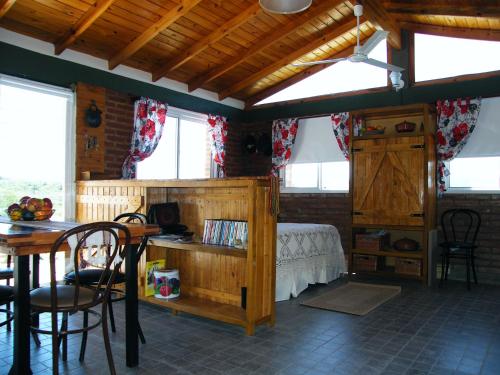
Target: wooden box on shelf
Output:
[
  {"x": 372, "y": 241},
  {"x": 365, "y": 262},
  {"x": 407, "y": 266}
]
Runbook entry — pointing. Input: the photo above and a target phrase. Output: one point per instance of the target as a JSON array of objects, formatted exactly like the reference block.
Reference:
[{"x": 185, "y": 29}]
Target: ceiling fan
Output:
[{"x": 360, "y": 53}]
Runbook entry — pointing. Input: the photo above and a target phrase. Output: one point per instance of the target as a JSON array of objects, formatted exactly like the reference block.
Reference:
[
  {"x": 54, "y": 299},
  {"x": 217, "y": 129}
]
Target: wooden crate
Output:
[
  {"x": 362, "y": 262},
  {"x": 407, "y": 266},
  {"x": 372, "y": 241}
]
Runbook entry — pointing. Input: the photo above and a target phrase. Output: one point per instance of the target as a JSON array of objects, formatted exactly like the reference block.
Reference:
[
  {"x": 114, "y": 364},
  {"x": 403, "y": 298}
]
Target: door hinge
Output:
[
  {"x": 417, "y": 146},
  {"x": 417, "y": 215},
  {"x": 356, "y": 150},
  {"x": 354, "y": 213}
]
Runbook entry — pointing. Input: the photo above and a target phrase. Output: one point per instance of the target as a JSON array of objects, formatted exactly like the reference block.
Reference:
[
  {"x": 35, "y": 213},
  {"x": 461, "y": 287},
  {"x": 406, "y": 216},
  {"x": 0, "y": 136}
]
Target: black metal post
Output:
[
  {"x": 131, "y": 308},
  {"x": 35, "y": 281},
  {"x": 21, "y": 365}
]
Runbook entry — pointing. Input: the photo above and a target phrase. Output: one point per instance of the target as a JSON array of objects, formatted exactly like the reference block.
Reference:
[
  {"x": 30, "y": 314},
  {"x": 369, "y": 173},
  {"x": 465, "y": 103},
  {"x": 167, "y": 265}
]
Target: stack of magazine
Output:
[{"x": 225, "y": 233}]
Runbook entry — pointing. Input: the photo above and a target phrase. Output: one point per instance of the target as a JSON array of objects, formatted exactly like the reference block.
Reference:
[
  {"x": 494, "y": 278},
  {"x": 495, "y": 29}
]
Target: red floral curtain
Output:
[
  {"x": 149, "y": 118},
  {"x": 217, "y": 130},
  {"x": 456, "y": 122},
  {"x": 284, "y": 133},
  {"x": 340, "y": 123}
]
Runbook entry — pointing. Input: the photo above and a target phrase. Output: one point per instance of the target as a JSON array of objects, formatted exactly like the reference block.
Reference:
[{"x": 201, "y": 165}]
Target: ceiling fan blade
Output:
[
  {"x": 328, "y": 61},
  {"x": 373, "y": 41},
  {"x": 383, "y": 65}
]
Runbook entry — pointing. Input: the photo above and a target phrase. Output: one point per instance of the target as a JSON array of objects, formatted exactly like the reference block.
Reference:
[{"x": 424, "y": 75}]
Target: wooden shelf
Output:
[
  {"x": 203, "y": 307},
  {"x": 197, "y": 246},
  {"x": 390, "y": 253},
  {"x": 390, "y": 135}
]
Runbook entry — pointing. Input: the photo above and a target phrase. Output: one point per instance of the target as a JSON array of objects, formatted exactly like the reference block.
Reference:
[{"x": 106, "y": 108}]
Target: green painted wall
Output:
[
  {"x": 23, "y": 63},
  {"x": 27, "y": 64}
]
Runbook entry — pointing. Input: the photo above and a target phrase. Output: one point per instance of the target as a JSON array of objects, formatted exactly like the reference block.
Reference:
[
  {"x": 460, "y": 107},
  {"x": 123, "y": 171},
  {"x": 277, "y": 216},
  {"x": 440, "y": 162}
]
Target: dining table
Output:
[{"x": 28, "y": 239}]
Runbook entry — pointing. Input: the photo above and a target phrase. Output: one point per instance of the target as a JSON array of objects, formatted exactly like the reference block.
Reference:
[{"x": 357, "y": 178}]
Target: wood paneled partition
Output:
[{"x": 219, "y": 282}]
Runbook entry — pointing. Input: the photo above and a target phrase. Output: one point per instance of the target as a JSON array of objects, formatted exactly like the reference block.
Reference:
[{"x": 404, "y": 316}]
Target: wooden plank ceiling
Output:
[{"x": 234, "y": 47}]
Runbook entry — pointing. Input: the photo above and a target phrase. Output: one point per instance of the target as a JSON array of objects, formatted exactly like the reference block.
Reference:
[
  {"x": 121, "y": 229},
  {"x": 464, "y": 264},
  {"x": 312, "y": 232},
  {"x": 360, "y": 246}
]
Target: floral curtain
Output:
[
  {"x": 340, "y": 123},
  {"x": 284, "y": 133},
  {"x": 456, "y": 122},
  {"x": 217, "y": 130},
  {"x": 149, "y": 118}
]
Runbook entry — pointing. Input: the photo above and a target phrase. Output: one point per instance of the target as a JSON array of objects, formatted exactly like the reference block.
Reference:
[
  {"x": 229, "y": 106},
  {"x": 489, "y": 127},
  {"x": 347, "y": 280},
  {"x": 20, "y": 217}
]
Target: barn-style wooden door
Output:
[{"x": 388, "y": 181}]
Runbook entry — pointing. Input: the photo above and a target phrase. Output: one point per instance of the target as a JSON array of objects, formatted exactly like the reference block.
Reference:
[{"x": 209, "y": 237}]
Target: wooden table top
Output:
[{"x": 35, "y": 237}]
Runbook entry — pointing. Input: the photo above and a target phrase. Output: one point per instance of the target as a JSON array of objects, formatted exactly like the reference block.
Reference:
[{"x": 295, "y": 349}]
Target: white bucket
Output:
[{"x": 167, "y": 284}]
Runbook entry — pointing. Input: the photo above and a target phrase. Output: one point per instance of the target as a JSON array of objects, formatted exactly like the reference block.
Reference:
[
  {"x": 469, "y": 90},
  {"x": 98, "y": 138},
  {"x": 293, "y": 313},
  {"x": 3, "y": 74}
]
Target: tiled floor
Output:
[{"x": 423, "y": 331}]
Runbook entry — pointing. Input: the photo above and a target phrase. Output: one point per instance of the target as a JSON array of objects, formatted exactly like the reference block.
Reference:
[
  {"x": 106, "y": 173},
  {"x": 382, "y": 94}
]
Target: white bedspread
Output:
[{"x": 306, "y": 254}]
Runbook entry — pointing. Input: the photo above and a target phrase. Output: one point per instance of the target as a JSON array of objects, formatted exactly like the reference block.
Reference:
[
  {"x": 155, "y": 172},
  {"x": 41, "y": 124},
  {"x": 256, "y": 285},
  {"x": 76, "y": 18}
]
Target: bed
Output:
[{"x": 306, "y": 254}]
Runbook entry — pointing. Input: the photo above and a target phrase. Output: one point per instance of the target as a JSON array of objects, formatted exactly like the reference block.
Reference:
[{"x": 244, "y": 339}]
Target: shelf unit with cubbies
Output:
[
  {"x": 224, "y": 283},
  {"x": 393, "y": 190}
]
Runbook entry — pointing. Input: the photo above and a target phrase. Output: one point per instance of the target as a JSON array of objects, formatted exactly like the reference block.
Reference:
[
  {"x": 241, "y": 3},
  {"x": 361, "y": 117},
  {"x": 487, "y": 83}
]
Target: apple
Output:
[
  {"x": 23, "y": 201},
  {"x": 16, "y": 214},
  {"x": 34, "y": 204},
  {"x": 47, "y": 203},
  {"x": 12, "y": 207}
]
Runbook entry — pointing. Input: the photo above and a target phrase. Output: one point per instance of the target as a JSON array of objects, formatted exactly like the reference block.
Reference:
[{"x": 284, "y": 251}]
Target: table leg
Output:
[
  {"x": 21, "y": 365},
  {"x": 35, "y": 281},
  {"x": 131, "y": 308}
]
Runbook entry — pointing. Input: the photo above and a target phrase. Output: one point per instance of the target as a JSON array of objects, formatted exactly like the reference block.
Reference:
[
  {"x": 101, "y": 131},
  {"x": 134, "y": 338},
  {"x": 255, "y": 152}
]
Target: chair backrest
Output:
[
  {"x": 100, "y": 244},
  {"x": 134, "y": 217},
  {"x": 460, "y": 225}
]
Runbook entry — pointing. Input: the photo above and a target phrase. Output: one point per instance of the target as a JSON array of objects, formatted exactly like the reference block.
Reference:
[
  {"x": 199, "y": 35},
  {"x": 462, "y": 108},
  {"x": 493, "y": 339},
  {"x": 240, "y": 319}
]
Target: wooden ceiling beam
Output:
[
  {"x": 465, "y": 8},
  {"x": 316, "y": 43},
  {"x": 455, "y": 32},
  {"x": 88, "y": 18},
  {"x": 282, "y": 32},
  {"x": 261, "y": 95},
  {"x": 377, "y": 15},
  {"x": 152, "y": 31},
  {"x": 207, "y": 41},
  {"x": 5, "y": 5}
]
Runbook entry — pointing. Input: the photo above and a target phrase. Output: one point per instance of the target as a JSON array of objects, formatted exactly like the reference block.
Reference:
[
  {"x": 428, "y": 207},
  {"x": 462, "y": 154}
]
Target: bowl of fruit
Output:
[{"x": 29, "y": 209}]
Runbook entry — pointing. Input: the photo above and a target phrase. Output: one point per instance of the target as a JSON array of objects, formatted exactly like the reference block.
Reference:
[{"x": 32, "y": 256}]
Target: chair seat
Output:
[
  {"x": 457, "y": 248},
  {"x": 40, "y": 297},
  {"x": 6, "y": 294},
  {"x": 91, "y": 276},
  {"x": 6, "y": 273}
]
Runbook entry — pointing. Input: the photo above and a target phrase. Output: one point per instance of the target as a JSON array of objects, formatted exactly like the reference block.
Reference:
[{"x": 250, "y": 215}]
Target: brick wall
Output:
[
  {"x": 119, "y": 116},
  {"x": 488, "y": 251}
]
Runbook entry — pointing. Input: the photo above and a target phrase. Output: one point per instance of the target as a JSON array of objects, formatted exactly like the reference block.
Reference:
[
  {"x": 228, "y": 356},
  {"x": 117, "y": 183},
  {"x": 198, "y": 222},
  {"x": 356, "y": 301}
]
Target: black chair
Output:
[
  {"x": 96, "y": 245},
  {"x": 6, "y": 297},
  {"x": 460, "y": 228},
  {"x": 7, "y": 274},
  {"x": 90, "y": 277}
]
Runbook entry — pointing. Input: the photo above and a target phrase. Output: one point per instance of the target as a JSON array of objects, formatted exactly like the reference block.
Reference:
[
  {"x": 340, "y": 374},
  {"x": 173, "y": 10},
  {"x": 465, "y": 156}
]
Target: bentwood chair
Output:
[
  {"x": 95, "y": 245},
  {"x": 7, "y": 273},
  {"x": 460, "y": 228},
  {"x": 6, "y": 297},
  {"x": 91, "y": 276}
]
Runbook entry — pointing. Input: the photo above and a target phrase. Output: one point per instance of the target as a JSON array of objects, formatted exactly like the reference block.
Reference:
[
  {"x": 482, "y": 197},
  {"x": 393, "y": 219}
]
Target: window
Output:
[
  {"x": 317, "y": 164},
  {"x": 343, "y": 76},
  {"x": 37, "y": 141},
  {"x": 183, "y": 150},
  {"x": 477, "y": 167},
  {"x": 441, "y": 57}
]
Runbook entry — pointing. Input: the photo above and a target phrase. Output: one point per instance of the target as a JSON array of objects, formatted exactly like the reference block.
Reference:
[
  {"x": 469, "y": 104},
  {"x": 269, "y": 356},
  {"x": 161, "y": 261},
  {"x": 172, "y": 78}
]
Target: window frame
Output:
[
  {"x": 462, "y": 190},
  {"x": 316, "y": 190},
  {"x": 69, "y": 184},
  {"x": 182, "y": 114},
  {"x": 445, "y": 80}
]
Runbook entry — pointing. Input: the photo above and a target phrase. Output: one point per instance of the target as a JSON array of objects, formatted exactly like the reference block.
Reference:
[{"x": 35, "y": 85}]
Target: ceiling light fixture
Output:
[
  {"x": 285, "y": 6},
  {"x": 397, "y": 82}
]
